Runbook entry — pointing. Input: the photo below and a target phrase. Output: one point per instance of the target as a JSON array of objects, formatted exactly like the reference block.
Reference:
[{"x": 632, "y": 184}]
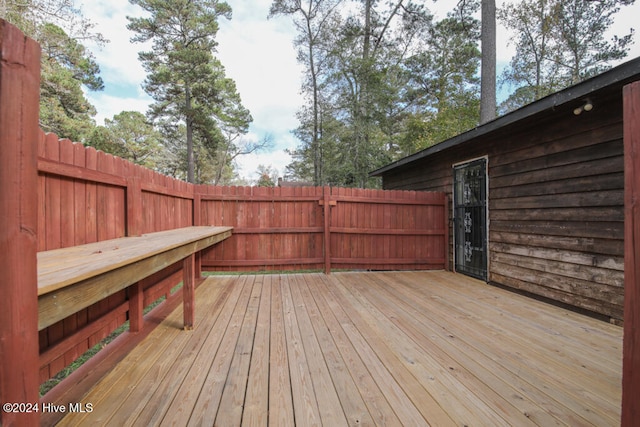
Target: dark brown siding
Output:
[{"x": 556, "y": 204}]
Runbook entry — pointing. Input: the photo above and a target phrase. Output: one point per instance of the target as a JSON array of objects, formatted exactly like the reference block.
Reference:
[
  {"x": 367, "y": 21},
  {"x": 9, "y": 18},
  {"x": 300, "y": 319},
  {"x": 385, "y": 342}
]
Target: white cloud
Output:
[
  {"x": 624, "y": 20},
  {"x": 277, "y": 160},
  {"x": 118, "y": 59},
  {"x": 109, "y": 105},
  {"x": 258, "y": 54}
]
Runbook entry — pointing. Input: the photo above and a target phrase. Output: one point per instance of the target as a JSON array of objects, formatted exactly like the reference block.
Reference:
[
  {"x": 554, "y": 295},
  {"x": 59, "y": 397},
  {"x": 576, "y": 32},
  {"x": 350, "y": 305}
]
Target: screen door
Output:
[{"x": 470, "y": 218}]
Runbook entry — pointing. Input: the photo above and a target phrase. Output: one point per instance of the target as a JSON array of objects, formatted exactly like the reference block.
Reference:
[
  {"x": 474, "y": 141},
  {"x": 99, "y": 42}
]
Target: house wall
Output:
[{"x": 556, "y": 203}]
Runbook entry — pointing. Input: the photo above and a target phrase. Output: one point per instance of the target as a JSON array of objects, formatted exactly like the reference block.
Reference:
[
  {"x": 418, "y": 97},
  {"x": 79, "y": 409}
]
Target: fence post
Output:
[
  {"x": 134, "y": 206},
  {"x": 19, "y": 103},
  {"x": 197, "y": 204},
  {"x": 197, "y": 220},
  {"x": 135, "y": 293},
  {"x": 326, "y": 193},
  {"x": 631, "y": 347}
]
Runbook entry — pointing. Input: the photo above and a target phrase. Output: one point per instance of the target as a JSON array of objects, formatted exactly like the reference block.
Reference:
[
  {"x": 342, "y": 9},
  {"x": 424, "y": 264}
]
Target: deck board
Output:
[
  {"x": 401, "y": 348},
  {"x": 280, "y": 394}
]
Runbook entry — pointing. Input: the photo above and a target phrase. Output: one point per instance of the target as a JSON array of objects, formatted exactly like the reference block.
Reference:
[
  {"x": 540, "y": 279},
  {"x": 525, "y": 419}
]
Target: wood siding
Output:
[
  {"x": 83, "y": 196},
  {"x": 556, "y": 204}
]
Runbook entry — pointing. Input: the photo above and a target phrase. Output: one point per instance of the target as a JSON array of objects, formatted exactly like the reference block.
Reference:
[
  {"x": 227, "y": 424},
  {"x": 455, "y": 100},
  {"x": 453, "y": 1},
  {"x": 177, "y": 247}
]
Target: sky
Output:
[{"x": 258, "y": 54}]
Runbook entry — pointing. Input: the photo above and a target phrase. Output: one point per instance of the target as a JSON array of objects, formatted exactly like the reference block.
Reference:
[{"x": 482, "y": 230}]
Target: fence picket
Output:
[
  {"x": 79, "y": 197},
  {"x": 91, "y": 162},
  {"x": 52, "y": 194}
]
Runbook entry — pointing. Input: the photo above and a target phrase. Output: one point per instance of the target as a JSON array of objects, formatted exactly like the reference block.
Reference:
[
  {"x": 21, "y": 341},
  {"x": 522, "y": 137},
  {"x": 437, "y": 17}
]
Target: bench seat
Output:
[{"x": 73, "y": 278}]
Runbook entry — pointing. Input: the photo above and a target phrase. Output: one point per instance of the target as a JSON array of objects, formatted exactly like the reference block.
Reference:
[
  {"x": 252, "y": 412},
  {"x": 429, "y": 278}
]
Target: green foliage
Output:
[
  {"x": 314, "y": 20},
  {"x": 581, "y": 27},
  {"x": 444, "y": 79},
  {"x": 267, "y": 176},
  {"x": 87, "y": 355},
  {"x": 560, "y": 43},
  {"x": 129, "y": 135},
  {"x": 20, "y": 13},
  {"x": 187, "y": 83},
  {"x": 67, "y": 66},
  {"x": 384, "y": 81}
]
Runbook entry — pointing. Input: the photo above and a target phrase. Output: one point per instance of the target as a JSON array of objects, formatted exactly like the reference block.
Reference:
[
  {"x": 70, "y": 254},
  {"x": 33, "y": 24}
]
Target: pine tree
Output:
[
  {"x": 181, "y": 78},
  {"x": 67, "y": 66}
]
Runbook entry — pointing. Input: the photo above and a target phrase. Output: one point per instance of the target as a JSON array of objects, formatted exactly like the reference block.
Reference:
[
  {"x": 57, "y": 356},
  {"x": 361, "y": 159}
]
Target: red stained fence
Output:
[
  {"x": 55, "y": 194},
  {"x": 85, "y": 196},
  {"x": 19, "y": 91},
  {"x": 631, "y": 348},
  {"x": 284, "y": 228}
]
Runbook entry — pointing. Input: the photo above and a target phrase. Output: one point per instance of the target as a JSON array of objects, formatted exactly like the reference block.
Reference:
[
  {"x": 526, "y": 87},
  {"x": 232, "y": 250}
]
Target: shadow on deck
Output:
[{"x": 414, "y": 348}]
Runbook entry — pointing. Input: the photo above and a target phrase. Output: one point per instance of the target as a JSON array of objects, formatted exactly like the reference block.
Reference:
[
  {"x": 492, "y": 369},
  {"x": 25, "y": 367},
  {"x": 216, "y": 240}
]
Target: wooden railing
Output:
[
  {"x": 58, "y": 194},
  {"x": 631, "y": 349}
]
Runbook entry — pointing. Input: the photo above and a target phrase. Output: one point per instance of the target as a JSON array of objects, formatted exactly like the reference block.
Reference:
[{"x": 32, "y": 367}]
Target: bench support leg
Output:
[
  {"x": 198, "y": 273},
  {"x": 188, "y": 290},
  {"x": 136, "y": 307}
]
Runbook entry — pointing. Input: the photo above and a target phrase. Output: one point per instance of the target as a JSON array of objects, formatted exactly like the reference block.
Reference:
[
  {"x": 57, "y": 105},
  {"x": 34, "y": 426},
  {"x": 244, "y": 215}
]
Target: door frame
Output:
[{"x": 453, "y": 204}]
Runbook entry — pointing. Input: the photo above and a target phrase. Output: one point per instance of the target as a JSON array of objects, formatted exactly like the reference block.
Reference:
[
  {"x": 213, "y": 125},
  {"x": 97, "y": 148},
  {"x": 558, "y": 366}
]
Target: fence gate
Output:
[{"x": 470, "y": 218}]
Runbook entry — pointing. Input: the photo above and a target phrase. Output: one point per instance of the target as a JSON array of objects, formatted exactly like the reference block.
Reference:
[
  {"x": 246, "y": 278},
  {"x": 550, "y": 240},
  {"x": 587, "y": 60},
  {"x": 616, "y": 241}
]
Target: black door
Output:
[{"x": 470, "y": 218}]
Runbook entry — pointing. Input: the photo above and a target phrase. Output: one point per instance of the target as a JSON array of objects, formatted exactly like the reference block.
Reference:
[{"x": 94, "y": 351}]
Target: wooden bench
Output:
[{"x": 73, "y": 278}]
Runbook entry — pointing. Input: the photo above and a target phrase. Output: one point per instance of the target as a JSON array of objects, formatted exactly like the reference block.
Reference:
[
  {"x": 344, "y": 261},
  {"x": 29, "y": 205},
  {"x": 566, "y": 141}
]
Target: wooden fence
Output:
[
  {"x": 56, "y": 193},
  {"x": 19, "y": 95},
  {"x": 631, "y": 342},
  {"x": 286, "y": 228},
  {"x": 86, "y": 196}
]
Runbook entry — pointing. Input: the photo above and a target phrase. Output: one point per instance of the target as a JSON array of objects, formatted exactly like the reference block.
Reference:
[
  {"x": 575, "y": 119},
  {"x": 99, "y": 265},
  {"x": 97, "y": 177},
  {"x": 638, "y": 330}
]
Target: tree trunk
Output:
[
  {"x": 315, "y": 140},
  {"x": 189, "y": 123},
  {"x": 488, "y": 71}
]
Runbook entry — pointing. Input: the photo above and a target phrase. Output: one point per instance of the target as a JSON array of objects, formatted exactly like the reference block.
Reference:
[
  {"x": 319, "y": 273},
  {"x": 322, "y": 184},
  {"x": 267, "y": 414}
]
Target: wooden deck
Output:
[{"x": 415, "y": 348}]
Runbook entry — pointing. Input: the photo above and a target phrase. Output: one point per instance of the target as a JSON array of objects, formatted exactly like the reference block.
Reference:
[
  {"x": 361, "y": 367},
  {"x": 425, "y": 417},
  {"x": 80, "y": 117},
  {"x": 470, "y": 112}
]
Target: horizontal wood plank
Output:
[
  {"x": 553, "y": 184},
  {"x": 73, "y": 278},
  {"x": 388, "y": 231},
  {"x": 61, "y": 267},
  {"x": 71, "y": 171}
]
